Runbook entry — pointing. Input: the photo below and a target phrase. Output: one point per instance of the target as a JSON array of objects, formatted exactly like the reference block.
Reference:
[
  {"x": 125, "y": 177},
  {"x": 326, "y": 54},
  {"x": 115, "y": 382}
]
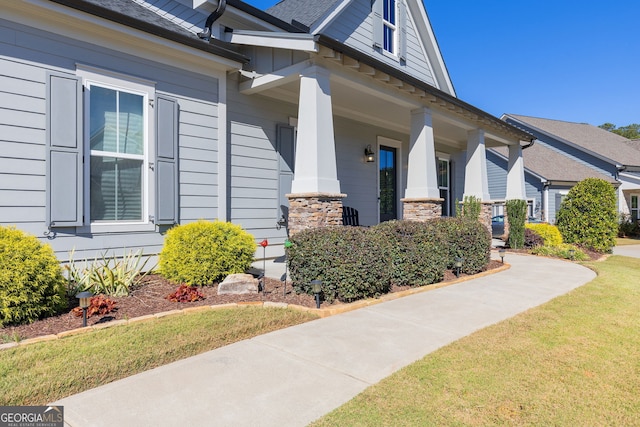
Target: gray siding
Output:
[
  {"x": 497, "y": 174},
  {"x": 253, "y": 169},
  {"x": 354, "y": 27},
  {"x": 26, "y": 54}
]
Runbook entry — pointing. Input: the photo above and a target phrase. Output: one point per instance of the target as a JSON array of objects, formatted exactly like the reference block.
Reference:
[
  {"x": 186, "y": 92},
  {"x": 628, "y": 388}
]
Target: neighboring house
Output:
[
  {"x": 565, "y": 153},
  {"x": 118, "y": 121}
]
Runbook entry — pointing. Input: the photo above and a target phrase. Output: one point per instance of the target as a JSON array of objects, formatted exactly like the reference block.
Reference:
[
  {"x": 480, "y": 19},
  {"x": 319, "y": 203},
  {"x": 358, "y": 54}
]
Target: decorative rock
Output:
[{"x": 238, "y": 284}]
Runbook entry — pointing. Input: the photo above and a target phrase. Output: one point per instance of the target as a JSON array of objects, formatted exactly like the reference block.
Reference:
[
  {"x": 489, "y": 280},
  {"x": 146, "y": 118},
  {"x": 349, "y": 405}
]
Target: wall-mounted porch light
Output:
[{"x": 369, "y": 155}]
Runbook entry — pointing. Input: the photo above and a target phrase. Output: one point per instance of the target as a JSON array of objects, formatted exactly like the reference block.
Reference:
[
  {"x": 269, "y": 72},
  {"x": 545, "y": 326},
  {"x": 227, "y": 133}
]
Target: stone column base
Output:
[
  {"x": 313, "y": 210},
  {"x": 421, "y": 209},
  {"x": 485, "y": 215}
]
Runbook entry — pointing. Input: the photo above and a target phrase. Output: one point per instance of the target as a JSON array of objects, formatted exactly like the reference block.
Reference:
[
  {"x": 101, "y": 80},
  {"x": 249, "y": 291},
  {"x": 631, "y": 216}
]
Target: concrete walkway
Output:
[
  {"x": 627, "y": 250},
  {"x": 294, "y": 376}
]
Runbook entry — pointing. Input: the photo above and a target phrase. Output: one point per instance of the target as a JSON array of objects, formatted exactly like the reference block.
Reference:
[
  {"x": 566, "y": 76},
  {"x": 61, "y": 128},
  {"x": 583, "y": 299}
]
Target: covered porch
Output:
[{"x": 372, "y": 138}]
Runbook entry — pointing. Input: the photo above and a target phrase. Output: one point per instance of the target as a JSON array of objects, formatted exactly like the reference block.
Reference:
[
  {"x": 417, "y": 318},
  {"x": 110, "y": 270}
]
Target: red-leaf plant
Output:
[
  {"x": 99, "y": 305},
  {"x": 186, "y": 293}
]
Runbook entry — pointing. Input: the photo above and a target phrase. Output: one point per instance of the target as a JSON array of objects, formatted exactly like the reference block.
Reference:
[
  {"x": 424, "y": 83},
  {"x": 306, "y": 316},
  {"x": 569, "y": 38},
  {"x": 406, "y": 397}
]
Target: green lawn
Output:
[
  {"x": 40, "y": 373},
  {"x": 574, "y": 361}
]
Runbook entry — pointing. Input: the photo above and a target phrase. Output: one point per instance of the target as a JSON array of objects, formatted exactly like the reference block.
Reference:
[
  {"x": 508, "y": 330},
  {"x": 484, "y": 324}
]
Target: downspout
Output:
[{"x": 206, "y": 33}]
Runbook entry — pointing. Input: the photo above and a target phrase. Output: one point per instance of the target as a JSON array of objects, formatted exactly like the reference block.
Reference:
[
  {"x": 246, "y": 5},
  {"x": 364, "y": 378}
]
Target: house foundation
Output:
[
  {"x": 313, "y": 210},
  {"x": 415, "y": 209}
]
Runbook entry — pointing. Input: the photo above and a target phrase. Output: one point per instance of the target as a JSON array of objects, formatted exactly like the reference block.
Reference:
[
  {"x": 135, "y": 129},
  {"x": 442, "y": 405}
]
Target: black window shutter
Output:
[
  {"x": 64, "y": 200},
  {"x": 166, "y": 165}
]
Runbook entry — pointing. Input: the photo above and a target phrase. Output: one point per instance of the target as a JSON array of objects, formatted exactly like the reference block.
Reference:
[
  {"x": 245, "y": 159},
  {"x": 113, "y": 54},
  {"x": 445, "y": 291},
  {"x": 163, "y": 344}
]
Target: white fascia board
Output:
[
  {"x": 67, "y": 22},
  {"x": 303, "y": 42},
  {"x": 275, "y": 79}
]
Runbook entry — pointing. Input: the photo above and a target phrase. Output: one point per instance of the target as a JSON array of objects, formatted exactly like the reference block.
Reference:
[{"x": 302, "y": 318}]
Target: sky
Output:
[{"x": 572, "y": 60}]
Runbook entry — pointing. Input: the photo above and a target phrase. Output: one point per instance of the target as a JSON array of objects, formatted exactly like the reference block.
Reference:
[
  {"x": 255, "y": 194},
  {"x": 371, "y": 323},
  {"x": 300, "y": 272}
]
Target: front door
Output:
[{"x": 388, "y": 184}]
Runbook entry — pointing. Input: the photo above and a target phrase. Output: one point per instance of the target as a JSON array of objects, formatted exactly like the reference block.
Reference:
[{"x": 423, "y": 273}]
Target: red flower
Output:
[{"x": 264, "y": 243}]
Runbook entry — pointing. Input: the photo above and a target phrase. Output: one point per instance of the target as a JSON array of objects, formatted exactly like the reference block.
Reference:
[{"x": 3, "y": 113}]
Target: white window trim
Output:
[
  {"x": 631, "y": 208},
  {"x": 118, "y": 81},
  {"x": 394, "y": 143},
  {"x": 446, "y": 158},
  {"x": 395, "y": 28}
]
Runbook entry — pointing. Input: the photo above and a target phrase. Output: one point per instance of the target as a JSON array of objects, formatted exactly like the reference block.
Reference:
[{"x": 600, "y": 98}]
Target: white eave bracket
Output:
[
  {"x": 303, "y": 42},
  {"x": 262, "y": 82}
]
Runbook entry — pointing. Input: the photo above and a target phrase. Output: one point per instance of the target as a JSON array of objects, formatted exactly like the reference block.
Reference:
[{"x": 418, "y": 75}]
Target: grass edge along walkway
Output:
[
  {"x": 572, "y": 361},
  {"x": 45, "y": 372}
]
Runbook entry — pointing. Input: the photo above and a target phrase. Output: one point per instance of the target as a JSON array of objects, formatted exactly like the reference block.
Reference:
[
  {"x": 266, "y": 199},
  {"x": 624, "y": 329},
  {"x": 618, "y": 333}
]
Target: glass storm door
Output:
[{"x": 388, "y": 184}]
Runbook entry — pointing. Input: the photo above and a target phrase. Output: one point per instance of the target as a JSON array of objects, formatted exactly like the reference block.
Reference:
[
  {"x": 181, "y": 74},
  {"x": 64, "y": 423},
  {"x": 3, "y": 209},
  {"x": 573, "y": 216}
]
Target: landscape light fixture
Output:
[
  {"x": 458, "y": 265},
  {"x": 85, "y": 302},
  {"x": 572, "y": 253},
  {"x": 369, "y": 155},
  {"x": 501, "y": 252},
  {"x": 316, "y": 288}
]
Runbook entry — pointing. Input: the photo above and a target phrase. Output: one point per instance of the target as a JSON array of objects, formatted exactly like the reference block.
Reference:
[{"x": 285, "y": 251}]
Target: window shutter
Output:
[
  {"x": 402, "y": 34},
  {"x": 166, "y": 167},
  {"x": 286, "y": 153},
  {"x": 64, "y": 200},
  {"x": 378, "y": 37}
]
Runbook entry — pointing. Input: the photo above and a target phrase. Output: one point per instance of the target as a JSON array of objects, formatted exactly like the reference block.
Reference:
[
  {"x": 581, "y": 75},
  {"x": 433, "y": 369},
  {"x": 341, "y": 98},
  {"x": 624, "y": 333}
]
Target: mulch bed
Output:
[{"x": 149, "y": 298}]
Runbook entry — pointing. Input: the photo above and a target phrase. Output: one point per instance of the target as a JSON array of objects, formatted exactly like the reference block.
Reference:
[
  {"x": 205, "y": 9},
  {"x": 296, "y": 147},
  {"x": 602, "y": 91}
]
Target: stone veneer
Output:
[
  {"x": 421, "y": 209},
  {"x": 313, "y": 210},
  {"x": 485, "y": 215}
]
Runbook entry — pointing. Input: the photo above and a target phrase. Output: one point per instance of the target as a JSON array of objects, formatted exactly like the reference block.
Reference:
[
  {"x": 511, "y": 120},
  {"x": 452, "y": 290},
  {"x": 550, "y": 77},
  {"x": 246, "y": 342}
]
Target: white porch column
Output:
[
  {"x": 476, "y": 182},
  {"x": 315, "y": 164},
  {"x": 515, "y": 174},
  {"x": 422, "y": 174}
]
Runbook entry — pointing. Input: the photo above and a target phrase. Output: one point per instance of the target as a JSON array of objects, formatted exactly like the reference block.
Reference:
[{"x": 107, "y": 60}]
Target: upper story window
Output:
[
  {"x": 390, "y": 20},
  {"x": 389, "y": 25}
]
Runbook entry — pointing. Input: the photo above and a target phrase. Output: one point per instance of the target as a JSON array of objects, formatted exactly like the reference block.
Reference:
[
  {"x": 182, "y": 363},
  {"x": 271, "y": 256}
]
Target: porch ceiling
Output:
[{"x": 375, "y": 103}]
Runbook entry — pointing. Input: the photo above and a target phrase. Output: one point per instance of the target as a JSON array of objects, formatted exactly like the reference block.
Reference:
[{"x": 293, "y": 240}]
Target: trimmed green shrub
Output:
[
  {"x": 532, "y": 239},
  {"x": 203, "y": 252},
  {"x": 549, "y": 233},
  {"x": 417, "y": 251},
  {"x": 350, "y": 261},
  {"x": 469, "y": 240},
  {"x": 31, "y": 282},
  {"x": 470, "y": 208},
  {"x": 560, "y": 251},
  {"x": 516, "y": 215},
  {"x": 588, "y": 215}
]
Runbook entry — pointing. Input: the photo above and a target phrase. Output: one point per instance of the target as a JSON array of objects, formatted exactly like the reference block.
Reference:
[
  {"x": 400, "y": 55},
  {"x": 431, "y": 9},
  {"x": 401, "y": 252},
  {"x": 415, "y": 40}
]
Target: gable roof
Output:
[
  {"x": 307, "y": 12},
  {"x": 604, "y": 144},
  {"x": 134, "y": 15},
  {"x": 553, "y": 166}
]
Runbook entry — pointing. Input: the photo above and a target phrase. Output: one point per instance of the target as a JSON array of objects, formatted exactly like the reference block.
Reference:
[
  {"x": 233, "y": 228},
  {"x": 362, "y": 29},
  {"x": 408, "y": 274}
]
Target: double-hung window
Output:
[
  {"x": 389, "y": 26},
  {"x": 390, "y": 21},
  {"x": 634, "y": 208},
  {"x": 112, "y": 144},
  {"x": 118, "y": 135}
]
